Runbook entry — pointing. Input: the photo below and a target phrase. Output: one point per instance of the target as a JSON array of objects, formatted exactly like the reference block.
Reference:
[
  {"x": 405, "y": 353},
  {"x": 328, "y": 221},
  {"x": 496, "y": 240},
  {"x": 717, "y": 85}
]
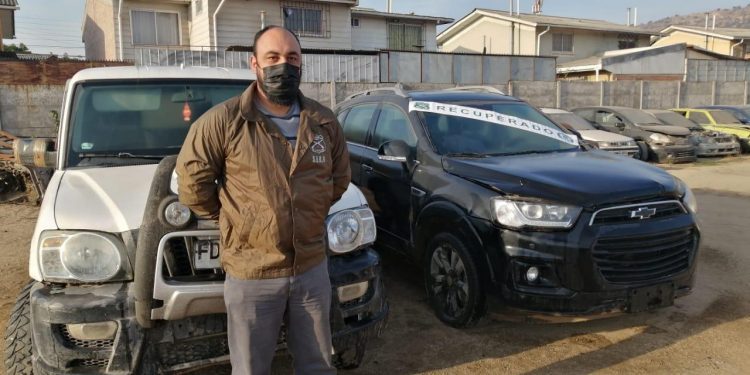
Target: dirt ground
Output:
[{"x": 707, "y": 331}]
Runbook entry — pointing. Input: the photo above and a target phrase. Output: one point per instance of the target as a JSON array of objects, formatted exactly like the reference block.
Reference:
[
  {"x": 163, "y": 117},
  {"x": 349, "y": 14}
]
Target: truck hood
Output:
[
  {"x": 602, "y": 136},
  {"x": 104, "y": 199},
  {"x": 585, "y": 179},
  {"x": 677, "y": 131},
  {"x": 114, "y": 199}
]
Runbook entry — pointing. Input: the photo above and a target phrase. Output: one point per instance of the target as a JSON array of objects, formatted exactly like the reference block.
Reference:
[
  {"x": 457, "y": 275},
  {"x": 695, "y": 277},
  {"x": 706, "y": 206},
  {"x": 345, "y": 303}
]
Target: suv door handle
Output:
[{"x": 367, "y": 168}]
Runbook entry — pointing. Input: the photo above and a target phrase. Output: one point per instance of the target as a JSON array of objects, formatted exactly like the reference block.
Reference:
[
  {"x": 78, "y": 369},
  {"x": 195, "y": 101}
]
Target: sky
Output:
[{"x": 54, "y": 26}]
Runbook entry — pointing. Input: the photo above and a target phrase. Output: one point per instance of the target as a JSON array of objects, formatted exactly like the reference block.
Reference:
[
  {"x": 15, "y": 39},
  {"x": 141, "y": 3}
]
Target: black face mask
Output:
[{"x": 280, "y": 82}]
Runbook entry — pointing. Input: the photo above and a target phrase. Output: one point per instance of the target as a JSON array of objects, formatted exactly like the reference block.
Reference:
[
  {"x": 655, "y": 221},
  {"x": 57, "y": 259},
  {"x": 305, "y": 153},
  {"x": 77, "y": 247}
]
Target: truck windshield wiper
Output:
[
  {"x": 120, "y": 155},
  {"x": 466, "y": 155}
]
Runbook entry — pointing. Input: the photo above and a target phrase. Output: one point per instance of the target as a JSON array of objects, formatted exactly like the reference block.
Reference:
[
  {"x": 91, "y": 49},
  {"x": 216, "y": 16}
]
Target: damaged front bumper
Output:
[
  {"x": 93, "y": 329},
  {"x": 718, "y": 149}
]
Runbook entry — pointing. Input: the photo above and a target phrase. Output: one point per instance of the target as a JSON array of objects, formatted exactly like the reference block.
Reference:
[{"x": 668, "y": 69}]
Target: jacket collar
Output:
[{"x": 308, "y": 108}]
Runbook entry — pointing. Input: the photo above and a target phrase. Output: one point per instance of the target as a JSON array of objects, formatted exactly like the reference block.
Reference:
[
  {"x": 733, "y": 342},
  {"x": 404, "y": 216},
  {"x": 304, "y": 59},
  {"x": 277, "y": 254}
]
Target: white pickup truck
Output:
[{"x": 123, "y": 281}]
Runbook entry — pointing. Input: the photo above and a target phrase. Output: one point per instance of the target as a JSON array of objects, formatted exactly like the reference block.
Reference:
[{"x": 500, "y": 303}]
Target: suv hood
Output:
[
  {"x": 667, "y": 129},
  {"x": 586, "y": 179},
  {"x": 103, "y": 199},
  {"x": 602, "y": 136}
]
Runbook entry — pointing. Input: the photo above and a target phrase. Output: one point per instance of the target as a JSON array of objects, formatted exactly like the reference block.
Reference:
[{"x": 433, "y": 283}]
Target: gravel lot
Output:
[{"x": 706, "y": 331}]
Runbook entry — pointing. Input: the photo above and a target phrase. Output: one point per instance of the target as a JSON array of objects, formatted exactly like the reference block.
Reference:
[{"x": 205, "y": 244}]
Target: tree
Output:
[{"x": 21, "y": 48}]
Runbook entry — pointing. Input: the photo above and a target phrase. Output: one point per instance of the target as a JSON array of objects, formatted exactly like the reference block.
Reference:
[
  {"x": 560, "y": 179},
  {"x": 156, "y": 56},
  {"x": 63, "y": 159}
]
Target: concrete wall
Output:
[{"x": 25, "y": 109}]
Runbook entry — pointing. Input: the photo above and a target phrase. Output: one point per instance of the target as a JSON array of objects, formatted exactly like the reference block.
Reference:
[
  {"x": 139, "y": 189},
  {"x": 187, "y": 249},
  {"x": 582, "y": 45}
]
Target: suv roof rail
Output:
[
  {"x": 397, "y": 89},
  {"x": 479, "y": 88}
]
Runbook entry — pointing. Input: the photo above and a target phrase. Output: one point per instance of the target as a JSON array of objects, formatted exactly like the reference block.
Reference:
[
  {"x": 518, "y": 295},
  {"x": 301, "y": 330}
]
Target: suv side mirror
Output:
[{"x": 395, "y": 150}]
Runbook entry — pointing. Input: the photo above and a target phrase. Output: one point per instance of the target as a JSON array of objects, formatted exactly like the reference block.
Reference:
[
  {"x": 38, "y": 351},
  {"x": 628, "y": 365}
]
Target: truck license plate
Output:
[
  {"x": 650, "y": 297},
  {"x": 206, "y": 254}
]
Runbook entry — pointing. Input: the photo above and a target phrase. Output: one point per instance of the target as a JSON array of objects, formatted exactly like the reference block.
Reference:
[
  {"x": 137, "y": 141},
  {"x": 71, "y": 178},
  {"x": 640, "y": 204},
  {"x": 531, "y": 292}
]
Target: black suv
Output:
[{"x": 492, "y": 199}]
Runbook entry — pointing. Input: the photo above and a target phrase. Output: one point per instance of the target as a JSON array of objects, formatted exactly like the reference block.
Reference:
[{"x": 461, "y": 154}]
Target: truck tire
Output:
[
  {"x": 643, "y": 150},
  {"x": 351, "y": 358},
  {"x": 18, "y": 343},
  {"x": 453, "y": 282}
]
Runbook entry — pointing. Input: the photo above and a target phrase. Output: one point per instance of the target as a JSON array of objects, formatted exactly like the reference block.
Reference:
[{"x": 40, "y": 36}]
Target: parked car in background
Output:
[
  {"x": 719, "y": 120},
  {"x": 665, "y": 143},
  {"x": 707, "y": 142},
  {"x": 612, "y": 142},
  {"x": 741, "y": 112},
  {"x": 497, "y": 203}
]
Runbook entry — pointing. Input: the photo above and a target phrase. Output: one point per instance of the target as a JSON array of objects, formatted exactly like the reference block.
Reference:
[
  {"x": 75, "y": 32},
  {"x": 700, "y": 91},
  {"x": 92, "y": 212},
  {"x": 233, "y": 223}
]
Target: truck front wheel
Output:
[{"x": 18, "y": 336}]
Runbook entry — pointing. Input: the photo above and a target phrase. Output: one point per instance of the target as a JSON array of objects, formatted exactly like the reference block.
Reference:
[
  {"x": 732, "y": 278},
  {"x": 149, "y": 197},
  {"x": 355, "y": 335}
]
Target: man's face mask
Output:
[{"x": 280, "y": 82}]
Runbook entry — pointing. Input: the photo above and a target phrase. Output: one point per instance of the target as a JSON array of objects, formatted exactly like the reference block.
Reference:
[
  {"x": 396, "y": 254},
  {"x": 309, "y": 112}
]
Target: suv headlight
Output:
[
  {"x": 82, "y": 256},
  {"x": 689, "y": 200},
  {"x": 519, "y": 214},
  {"x": 661, "y": 139},
  {"x": 349, "y": 230}
]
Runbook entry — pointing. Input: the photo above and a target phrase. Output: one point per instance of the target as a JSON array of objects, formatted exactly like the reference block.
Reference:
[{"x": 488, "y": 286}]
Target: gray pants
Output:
[{"x": 255, "y": 311}]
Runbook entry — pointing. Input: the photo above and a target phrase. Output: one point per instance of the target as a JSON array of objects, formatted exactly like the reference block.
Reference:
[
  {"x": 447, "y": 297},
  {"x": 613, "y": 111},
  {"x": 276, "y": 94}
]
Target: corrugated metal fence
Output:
[
  {"x": 315, "y": 67},
  {"x": 376, "y": 67}
]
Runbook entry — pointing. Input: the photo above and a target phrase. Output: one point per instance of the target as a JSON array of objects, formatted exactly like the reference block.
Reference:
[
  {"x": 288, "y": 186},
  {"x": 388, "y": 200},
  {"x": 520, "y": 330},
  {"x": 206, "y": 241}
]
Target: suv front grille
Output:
[
  {"x": 625, "y": 214},
  {"x": 644, "y": 258}
]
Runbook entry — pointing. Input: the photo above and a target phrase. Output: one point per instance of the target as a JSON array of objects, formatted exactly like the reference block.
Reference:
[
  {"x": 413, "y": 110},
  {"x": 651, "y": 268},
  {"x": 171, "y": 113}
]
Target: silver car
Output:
[{"x": 616, "y": 143}]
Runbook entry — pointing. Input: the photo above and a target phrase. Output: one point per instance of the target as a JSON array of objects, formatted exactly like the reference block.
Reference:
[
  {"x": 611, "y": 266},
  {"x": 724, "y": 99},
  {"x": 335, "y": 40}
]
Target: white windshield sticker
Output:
[{"x": 493, "y": 117}]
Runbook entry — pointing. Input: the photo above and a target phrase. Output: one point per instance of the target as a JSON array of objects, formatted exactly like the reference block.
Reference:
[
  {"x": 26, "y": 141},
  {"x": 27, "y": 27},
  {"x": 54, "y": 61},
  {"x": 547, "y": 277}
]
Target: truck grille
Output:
[
  {"x": 178, "y": 263},
  {"x": 644, "y": 258},
  {"x": 624, "y": 214}
]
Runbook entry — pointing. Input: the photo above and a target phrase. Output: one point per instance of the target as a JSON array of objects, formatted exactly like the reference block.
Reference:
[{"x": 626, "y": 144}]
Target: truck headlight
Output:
[
  {"x": 349, "y": 230},
  {"x": 661, "y": 139},
  {"x": 518, "y": 214},
  {"x": 82, "y": 256}
]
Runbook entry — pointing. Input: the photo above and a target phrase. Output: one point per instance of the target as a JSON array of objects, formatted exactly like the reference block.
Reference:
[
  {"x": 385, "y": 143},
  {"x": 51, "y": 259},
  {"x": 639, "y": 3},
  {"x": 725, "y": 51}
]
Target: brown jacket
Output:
[{"x": 271, "y": 201}]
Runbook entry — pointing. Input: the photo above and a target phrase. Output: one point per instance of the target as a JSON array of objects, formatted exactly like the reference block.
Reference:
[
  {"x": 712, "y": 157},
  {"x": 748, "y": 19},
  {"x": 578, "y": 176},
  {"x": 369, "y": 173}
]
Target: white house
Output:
[{"x": 116, "y": 29}]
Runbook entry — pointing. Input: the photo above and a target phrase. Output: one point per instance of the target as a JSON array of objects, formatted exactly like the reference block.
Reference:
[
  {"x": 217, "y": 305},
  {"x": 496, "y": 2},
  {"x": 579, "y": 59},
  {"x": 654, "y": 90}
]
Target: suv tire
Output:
[
  {"x": 18, "y": 344},
  {"x": 453, "y": 282}
]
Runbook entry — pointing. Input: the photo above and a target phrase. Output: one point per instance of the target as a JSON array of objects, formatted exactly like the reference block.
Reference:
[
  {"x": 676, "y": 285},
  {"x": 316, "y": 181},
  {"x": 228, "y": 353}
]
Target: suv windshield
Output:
[
  {"x": 454, "y": 135},
  {"x": 577, "y": 122},
  {"x": 724, "y": 117},
  {"x": 135, "y": 123}
]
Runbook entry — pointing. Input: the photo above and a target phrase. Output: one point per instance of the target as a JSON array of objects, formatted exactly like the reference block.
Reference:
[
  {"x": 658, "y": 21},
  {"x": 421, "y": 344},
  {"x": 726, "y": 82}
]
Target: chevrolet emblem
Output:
[{"x": 642, "y": 213}]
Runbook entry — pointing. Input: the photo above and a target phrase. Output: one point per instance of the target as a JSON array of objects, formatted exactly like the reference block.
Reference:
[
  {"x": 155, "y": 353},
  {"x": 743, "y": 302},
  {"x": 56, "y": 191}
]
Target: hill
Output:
[{"x": 738, "y": 17}]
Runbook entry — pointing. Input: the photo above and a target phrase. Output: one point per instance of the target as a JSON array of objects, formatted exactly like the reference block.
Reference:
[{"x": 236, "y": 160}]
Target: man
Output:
[{"x": 280, "y": 161}]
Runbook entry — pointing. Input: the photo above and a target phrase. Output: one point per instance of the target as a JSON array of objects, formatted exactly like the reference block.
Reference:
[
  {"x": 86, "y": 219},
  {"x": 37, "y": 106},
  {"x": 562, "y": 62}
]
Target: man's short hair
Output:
[{"x": 267, "y": 28}]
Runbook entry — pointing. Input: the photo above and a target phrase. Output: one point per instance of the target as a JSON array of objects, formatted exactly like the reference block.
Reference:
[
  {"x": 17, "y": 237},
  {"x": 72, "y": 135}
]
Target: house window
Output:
[
  {"x": 306, "y": 19},
  {"x": 155, "y": 28},
  {"x": 626, "y": 41},
  {"x": 355, "y": 22},
  {"x": 405, "y": 37},
  {"x": 198, "y": 6},
  {"x": 562, "y": 42}
]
